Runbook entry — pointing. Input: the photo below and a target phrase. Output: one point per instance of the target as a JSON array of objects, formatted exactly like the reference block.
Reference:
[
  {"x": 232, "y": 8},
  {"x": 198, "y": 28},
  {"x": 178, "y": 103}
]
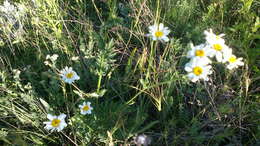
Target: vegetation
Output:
[{"x": 137, "y": 87}]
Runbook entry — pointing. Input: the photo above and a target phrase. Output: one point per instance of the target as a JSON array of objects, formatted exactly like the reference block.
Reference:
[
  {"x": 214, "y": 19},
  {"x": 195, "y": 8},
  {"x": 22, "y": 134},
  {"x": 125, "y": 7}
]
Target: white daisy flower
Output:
[
  {"x": 218, "y": 50},
  {"x": 56, "y": 122},
  {"x": 201, "y": 51},
  {"x": 212, "y": 38},
  {"x": 217, "y": 45},
  {"x": 68, "y": 75},
  {"x": 85, "y": 108},
  {"x": 198, "y": 69},
  {"x": 159, "y": 32},
  {"x": 232, "y": 60}
]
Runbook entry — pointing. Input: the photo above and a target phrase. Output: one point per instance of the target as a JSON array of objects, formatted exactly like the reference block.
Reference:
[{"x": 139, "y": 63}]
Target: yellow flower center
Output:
[
  {"x": 217, "y": 47},
  {"x": 85, "y": 108},
  {"x": 158, "y": 34},
  {"x": 69, "y": 75},
  {"x": 232, "y": 59},
  {"x": 197, "y": 70},
  {"x": 55, "y": 122},
  {"x": 199, "y": 53}
]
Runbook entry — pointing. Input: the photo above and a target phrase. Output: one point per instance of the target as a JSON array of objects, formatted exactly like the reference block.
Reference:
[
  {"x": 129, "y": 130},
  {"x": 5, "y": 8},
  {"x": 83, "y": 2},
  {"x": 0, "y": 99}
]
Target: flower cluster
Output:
[
  {"x": 57, "y": 123},
  {"x": 11, "y": 17},
  {"x": 199, "y": 66}
]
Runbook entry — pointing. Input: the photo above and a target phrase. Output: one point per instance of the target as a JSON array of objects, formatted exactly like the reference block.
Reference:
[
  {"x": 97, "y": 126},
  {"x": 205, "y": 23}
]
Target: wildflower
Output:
[
  {"x": 7, "y": 8},
  {"x": 85, "y": 108},
  {"x": 16, "y": 74},
  {"x": 68, "y": 75},
  {"x": 232, "y": 60},
  {"x": 211, "y": 37},
  {"x": 142, "y": 140},
  {"x": 159, "y": 32},
  {"x": 11, "y": 21},
  {"x": 56, "y": 122},
  {"x": 217, "y": 45},
  {"x": 218, "y": 50},
  {"x": 52, "y": 58},
  {"x": 201, "y": 51},
  {"x": 198, "y": 69}
]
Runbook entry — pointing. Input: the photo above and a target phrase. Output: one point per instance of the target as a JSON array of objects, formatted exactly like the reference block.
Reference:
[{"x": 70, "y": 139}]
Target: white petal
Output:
[
  {"x": 166, "y": 31},
  {"x": 206, "y": 78},
  {"x": 48, "y": 127},
  {"x": 207, "y": 60},
  {"x": 59, "y": 129},
  {"x": 230, "y": 67},
  {"x": 160, "y": 26},
  {"x": 76, "y": 77},
  {"x": 190, "y": 54},
  {"x": 154, "y": 38},
  {"x": 51, "y": 117},
  {"x": 63, "y": 124},
  {"x": 148, "y": 35},
  {"x": 188, "y": 68},
  {"x": 221, "y": 35},
  {"x": 62, "y": 116},
  {"x": 152, "y": 28},
  {"x": 206, "y": 33},
  {"x": 219, "y": 57},
  {"x": 240, "y": 63},
  {"x": 211, "y": 53},
  {"x": 195, "y": 79},
  {"x": 83, "y": 112},
  {"x": 47, "y": 123},
  {"x": 165, "y": 38},
  {"x": 191, "y": 76}
]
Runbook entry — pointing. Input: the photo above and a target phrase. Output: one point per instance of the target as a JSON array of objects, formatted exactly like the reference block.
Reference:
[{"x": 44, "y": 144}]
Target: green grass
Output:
[{"x": 140, "y": 85}]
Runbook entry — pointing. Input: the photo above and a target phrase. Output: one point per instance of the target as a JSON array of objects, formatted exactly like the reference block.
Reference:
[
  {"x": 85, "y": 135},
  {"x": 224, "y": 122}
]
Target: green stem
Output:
[{"x": 99, "y": 82}]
